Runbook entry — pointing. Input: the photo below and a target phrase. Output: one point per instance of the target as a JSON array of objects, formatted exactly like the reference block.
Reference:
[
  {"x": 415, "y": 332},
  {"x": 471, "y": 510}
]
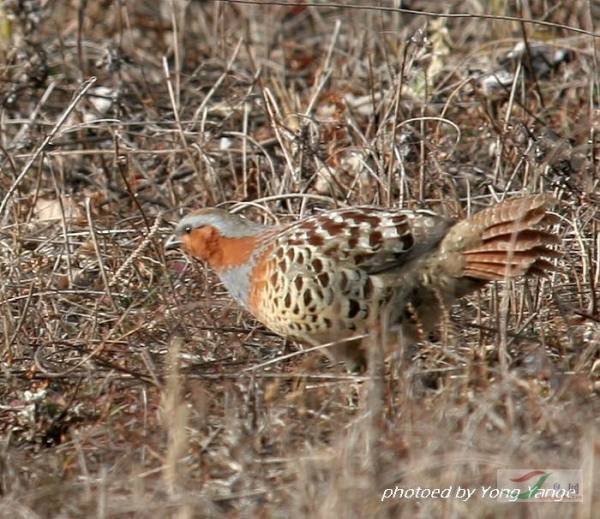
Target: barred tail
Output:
[{"x": 506, "y": 240}]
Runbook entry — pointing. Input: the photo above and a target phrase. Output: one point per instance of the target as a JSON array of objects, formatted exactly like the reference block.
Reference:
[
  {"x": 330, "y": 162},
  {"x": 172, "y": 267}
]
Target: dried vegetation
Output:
[{"x": 130, "y": 385}]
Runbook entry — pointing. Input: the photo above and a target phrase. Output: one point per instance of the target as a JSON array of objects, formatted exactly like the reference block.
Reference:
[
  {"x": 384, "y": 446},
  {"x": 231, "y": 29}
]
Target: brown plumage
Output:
[{"x": 332, "y": 276}]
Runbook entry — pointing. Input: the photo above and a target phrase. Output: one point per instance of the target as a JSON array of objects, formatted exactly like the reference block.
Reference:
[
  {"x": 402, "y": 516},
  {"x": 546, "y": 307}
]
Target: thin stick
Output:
[
  {"x": 180, "y": 131},
  {"x": 301, "y": 352},
  {"x": 88, "y": 213},
  {"x": 480, "y": 16}
]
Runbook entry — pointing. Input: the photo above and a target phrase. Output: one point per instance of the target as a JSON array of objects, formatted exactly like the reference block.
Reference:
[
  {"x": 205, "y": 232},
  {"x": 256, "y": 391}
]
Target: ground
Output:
[{"x": 131, "y": 385}]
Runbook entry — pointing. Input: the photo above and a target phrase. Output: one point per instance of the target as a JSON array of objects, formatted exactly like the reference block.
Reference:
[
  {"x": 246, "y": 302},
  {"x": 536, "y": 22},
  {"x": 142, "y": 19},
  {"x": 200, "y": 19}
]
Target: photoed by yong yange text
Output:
[{"x": 513, "y": 485}]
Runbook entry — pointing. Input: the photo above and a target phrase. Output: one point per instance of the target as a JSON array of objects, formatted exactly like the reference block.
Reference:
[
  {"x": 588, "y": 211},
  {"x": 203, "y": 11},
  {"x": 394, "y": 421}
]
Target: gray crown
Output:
[{"x": 227, "y": 224}]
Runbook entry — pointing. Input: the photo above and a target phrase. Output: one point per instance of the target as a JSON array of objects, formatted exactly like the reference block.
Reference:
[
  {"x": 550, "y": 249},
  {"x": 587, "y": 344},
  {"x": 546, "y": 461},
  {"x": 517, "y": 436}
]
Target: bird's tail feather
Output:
[{"x": 506, "y": 240}]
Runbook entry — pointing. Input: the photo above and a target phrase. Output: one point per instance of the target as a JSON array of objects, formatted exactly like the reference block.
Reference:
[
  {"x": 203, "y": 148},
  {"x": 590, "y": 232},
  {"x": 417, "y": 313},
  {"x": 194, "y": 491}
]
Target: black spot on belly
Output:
[
  {"x": 354, "y": 308},
  {"x": 317, "y": 264},
  {"x": 407, "y": 241},
  {"x": 323, "y": 279},
  {"x": 307, "y": 297},
  {"x": 343, "y": 280}
]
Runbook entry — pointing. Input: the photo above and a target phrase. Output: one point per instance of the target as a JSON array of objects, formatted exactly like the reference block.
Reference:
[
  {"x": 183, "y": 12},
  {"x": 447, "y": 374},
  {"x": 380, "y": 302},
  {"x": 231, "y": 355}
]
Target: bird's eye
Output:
[{"x": 187, "y": 229}]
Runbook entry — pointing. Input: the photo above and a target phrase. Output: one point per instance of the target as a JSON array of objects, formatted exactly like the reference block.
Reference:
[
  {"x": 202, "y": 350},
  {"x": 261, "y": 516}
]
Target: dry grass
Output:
[{"x": 130, "y": 384}]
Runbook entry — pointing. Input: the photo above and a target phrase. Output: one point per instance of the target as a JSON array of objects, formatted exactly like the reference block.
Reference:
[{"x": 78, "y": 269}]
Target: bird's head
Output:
[{"x": 213, "y": 235}]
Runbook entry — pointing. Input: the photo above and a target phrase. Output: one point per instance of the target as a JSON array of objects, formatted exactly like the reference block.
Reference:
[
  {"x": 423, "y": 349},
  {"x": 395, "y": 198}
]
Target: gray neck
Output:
[{"x": 237, "y": 282}]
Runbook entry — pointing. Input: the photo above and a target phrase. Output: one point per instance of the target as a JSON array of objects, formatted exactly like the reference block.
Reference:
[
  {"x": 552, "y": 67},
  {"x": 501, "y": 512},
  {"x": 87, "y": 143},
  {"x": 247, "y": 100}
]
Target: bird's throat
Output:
[
  {"x": 233, "y": 252},
  {"x": 219, "y": 252}
]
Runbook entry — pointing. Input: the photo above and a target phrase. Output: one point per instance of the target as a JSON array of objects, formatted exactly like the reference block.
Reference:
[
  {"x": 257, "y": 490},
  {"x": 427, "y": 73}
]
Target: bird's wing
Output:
[{"x": 373, "y": 240}]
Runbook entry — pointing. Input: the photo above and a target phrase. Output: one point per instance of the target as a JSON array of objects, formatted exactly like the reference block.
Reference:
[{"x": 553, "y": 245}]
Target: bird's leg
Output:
[{"x": 352, "y": 352}]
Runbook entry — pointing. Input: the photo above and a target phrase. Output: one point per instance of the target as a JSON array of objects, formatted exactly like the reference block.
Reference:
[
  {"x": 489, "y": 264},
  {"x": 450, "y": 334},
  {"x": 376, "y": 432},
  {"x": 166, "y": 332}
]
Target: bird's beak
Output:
[{"x": 173, "y": 242}]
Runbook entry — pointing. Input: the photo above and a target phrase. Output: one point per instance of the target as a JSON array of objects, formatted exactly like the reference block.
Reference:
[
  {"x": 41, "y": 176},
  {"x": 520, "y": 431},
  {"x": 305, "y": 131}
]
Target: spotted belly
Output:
[{"x": 301, "y": 293}]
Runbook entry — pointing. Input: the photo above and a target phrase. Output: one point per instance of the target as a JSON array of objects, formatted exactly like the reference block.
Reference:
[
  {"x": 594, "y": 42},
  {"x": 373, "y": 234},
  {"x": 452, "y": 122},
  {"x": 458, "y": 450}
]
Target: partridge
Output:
[{"x": 330, "y": 277}]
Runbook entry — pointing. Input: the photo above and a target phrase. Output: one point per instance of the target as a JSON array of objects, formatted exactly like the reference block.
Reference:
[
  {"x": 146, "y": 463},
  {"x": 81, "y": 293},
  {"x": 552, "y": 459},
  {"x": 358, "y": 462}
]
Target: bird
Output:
[{"x": 329, "y": 278}]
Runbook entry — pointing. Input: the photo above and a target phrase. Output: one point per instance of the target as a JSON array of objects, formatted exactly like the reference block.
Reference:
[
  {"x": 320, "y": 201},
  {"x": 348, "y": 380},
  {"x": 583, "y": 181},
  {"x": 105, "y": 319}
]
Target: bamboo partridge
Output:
[{"x": 329, "y": 277}]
